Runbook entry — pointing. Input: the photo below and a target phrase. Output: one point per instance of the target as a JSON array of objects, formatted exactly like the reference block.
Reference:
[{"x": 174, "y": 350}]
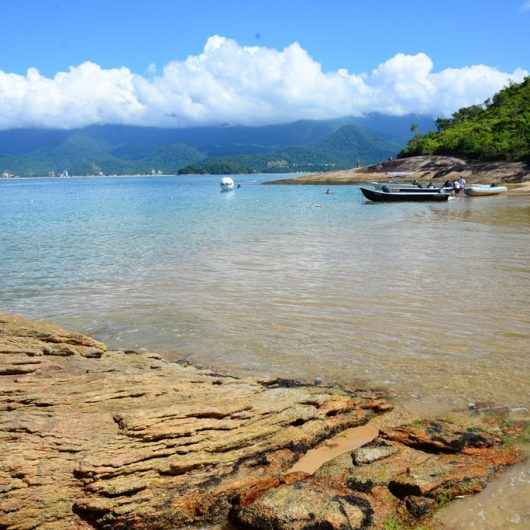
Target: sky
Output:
[{"x": 198, "y": 62}]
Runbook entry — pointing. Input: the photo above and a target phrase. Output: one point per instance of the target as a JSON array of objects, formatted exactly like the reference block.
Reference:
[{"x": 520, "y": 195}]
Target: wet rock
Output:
[
  {"x": 372, "y": 452},
  {"x": 306, "y": 507},
  {"x": 419, "y": 506},
  {"x": 441, "y": 436},
  {"x": 407, "y": 480}
]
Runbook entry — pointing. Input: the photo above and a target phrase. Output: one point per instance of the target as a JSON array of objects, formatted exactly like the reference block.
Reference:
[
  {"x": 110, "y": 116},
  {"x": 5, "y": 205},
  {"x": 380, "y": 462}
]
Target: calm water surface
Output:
[{"x": 432, "y": 300}]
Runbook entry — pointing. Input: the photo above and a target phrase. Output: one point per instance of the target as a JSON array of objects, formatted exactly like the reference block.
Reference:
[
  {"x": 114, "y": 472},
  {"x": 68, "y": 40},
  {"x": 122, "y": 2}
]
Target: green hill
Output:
[
  {"x": 304, "y": 145},
  {"x": 348, "y": 146},
  {"x": 497, "y": 130},
  {"x": 83, "y": 154}
]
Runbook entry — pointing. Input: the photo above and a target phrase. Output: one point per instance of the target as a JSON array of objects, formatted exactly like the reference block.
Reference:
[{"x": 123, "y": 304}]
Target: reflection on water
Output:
[{"x": 432, "y": 299}]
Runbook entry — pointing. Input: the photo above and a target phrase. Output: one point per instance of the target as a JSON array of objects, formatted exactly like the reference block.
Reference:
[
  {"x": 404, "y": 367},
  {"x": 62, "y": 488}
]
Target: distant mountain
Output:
[
  {"x": 497, "y": 130},
  {"x": 396, "y": 128},
  {"x": 297, "y": 146},
  {"x": 346, "y": 147}
]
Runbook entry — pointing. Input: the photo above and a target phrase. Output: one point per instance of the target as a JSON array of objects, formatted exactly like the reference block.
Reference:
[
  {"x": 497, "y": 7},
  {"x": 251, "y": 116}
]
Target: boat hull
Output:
[
  {"x": 401, "y": 196},
  {"x": 486, "y": 191}
]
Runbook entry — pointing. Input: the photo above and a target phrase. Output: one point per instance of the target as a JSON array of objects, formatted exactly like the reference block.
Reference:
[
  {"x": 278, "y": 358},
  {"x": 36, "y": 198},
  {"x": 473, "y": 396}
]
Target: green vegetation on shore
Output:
[{"x": 499, "y": 129}]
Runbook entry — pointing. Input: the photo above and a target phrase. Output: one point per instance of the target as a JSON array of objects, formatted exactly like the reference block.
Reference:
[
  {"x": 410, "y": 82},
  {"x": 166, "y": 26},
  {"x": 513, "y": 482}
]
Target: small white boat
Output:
[
  {"x": 484, "y": 190},
  {"x": 227, "y": 184}
]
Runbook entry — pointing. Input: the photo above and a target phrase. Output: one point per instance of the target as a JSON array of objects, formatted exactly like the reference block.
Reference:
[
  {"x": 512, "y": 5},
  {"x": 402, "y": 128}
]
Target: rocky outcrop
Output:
[
  {"x": 91, "y": 438},
  {"x": 95, "y": 438},
  {"x": 421, "y": 168},
  {"x": 405, "y": 474},
  {"x": 447, "y": 167}
]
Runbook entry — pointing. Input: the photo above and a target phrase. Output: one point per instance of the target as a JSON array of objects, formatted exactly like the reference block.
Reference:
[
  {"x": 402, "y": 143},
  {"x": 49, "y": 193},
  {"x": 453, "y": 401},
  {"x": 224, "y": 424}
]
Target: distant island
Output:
[{"x": 301, "y": 146}]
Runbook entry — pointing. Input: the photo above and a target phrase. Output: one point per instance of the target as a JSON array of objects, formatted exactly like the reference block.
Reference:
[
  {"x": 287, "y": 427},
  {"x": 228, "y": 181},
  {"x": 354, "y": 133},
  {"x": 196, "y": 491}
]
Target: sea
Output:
[{"x": 429, "y": 301}]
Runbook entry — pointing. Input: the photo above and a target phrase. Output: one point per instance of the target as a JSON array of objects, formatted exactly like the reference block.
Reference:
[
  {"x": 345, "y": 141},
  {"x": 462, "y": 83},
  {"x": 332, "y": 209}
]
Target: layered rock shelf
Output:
[
  {"x": 436, "y": 169},
  {"x": 99, "y": 439}
]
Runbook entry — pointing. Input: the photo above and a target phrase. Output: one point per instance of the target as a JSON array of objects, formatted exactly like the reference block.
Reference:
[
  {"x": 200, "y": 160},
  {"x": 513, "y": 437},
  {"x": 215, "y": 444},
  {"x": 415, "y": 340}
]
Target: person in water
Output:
[{"x": 328, "y": 192}]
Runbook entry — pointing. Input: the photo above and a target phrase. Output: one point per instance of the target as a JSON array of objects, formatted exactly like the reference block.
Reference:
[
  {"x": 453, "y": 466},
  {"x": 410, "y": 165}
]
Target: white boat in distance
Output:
[
  {"x": 484, "y": 190},
  {"x": 227, "y": 184}
]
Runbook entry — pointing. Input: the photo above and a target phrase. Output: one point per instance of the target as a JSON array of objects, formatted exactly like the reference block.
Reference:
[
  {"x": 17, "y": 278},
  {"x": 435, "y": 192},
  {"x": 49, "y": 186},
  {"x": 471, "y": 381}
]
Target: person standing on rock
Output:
[{"x": 462, "y": 182}]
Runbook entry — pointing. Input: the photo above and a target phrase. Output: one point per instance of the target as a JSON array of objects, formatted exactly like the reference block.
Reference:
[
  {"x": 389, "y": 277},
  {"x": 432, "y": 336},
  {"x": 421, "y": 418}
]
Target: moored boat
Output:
[
  {"x": 227, "y": 184},
  {"x": 484, "y": 190},
  {"x": 412, "y": 187},
  {"x": 389, "y": 194}
]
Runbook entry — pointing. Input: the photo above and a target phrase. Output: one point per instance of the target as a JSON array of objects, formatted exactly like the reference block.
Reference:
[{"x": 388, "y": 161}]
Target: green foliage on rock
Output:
[{"x": 497, "y": 130}]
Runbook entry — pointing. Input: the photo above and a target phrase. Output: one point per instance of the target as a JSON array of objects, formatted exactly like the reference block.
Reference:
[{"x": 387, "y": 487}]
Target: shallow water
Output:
[
  {"x": 503, "y": 505},
  {"x": 430, "y": 300}
]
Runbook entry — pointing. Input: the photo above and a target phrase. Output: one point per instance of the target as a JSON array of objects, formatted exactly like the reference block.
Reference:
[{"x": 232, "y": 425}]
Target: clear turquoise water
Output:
[{"x": 276, "y": 279}]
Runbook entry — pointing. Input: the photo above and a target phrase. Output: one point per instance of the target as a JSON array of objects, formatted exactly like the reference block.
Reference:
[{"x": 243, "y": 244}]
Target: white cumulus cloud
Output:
[{"x": 249, "y": 85}]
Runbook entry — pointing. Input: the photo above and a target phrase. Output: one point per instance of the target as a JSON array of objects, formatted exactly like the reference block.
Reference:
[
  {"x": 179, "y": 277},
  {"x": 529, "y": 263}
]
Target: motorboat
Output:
[
  {"x": 227, "y": 184},
  {"x": 484, "y": 190},
  {"x": 389, "y": 193},
  {"x": 413, "y": 187}
]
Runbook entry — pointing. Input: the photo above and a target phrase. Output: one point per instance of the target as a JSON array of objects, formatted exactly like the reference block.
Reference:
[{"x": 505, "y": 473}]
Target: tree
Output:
[{"x": 499, "y": 129}]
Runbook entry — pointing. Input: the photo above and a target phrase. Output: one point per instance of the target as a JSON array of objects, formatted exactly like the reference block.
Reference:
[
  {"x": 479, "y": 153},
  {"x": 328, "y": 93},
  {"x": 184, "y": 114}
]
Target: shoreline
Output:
[
  {"x": 98, "y": 438},
  {"x": 421, "y": 168}
]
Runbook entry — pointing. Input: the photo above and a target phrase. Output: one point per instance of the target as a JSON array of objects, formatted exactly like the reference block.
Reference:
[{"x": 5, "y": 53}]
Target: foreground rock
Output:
[
  {"x": 91, "y": 438},
  {"x": 421, "y": 168},
  {"x": 403, "y": 475}
]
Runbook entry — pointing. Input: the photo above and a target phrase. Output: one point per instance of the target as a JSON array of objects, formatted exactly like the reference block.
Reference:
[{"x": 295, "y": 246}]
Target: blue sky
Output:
[
  {"x": 73, "y": 63},
  {"x": 54, "y": 34}
]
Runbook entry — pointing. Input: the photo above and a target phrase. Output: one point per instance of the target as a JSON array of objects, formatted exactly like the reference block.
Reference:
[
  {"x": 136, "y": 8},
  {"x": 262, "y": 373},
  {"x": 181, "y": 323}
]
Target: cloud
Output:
[
  {"x": 526, "y": 6},
  {"x": 249, "y": 85}
]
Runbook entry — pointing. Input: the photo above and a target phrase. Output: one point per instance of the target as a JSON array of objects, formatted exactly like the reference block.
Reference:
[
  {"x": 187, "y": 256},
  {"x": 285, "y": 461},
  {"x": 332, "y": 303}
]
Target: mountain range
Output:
[{"x": 305, "y": 145}]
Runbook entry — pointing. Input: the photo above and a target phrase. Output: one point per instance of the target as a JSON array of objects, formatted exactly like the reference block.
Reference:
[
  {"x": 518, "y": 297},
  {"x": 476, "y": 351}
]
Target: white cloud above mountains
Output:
[{"x": 248, "y": 85}]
